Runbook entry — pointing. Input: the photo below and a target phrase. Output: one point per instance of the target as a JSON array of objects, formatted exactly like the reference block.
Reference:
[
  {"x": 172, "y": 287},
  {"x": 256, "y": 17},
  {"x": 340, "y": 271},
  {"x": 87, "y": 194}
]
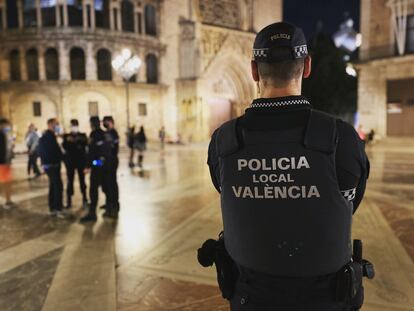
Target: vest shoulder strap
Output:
[
  {"x": 227, "y": 141},
  {"x": 321, "y": 133}
]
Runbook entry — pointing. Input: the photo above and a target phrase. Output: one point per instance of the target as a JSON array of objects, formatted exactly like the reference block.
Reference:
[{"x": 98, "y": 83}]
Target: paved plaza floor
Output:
[{"x": 146, "y": 260}]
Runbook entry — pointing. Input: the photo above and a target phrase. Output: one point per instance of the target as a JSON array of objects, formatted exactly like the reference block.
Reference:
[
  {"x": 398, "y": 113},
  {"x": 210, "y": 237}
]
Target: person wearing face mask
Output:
[
  {"x": 111, "y": 190},
  {"x": 6, "y": 154},
  {"x": 51, "y": 157},
  {"x": 74, "y": 145}
]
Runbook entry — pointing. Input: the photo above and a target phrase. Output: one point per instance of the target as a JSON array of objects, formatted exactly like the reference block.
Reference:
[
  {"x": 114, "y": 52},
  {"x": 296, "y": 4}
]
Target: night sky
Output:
[{"x": 307, "y": 13}]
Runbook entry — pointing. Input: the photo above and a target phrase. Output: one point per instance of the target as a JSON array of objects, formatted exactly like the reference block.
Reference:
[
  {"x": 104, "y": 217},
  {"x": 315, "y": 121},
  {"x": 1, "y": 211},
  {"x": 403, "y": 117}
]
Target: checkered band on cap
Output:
[
  {"x": 300, "y": 51},
  {"x": 349, "y": 194},
  {"x": 260, "y": 53},
  {"x": 280, "y": 103}
]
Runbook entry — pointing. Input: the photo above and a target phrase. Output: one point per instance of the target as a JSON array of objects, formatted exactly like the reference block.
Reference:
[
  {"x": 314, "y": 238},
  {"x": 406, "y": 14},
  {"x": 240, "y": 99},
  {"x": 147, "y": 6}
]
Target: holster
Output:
[
  {"x": 349, "y": 288},
  {"x": 214, "y": 252}
]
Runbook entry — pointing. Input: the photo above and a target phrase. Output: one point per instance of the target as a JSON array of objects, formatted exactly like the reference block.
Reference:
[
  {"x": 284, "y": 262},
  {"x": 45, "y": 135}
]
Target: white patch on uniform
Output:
[{"x": 349, "y": 194}]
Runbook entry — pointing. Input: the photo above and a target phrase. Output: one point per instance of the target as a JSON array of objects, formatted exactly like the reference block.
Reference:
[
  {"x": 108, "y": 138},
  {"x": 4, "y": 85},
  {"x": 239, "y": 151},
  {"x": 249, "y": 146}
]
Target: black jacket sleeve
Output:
[
  {"x": 352, "y": 164},
  {"x": 213, "y": 162},
  {"x": 3, "y": 148}
]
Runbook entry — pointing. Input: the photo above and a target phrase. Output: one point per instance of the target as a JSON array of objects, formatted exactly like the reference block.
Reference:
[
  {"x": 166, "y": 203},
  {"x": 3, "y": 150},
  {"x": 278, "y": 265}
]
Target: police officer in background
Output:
[
  {"x": 74, "y": 144},
  {"x": 290, "y": 178},
  {"x": 111, "y": 191},
  {"x": 99, "y": 152}
]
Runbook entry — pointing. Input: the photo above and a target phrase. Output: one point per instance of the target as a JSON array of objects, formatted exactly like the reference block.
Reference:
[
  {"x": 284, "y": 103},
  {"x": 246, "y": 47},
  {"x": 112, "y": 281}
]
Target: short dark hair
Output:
[
  {"x": 278, "y": 74},
  {"x": 51, "y": 120},
  {"x": 4, "y": 121},
  {"x": 74, "y": 122}
]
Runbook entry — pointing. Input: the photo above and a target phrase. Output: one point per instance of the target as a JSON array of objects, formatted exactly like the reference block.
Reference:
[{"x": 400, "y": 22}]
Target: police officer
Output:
[
  {"x": 290, "y": 178},
  {"x": 74, "y": 144},
  {"x": 111, "y": 191},
  {"x": 99, "y": 152}
]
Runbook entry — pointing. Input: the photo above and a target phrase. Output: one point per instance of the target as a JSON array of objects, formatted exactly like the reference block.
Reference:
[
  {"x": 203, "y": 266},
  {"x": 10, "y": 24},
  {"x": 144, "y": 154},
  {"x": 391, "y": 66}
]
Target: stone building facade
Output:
[
  {"x": 55, "y": 61},
  {"x": 386, "y": 67}
]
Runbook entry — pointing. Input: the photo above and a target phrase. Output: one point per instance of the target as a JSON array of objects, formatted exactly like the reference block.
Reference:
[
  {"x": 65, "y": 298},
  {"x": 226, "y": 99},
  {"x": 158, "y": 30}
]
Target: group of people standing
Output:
[{"x": 97, "y": 155}]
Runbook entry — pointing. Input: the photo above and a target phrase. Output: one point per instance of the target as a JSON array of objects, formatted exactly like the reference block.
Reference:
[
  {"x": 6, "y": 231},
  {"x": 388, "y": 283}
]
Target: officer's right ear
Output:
[{"x": 255, "y": 71}]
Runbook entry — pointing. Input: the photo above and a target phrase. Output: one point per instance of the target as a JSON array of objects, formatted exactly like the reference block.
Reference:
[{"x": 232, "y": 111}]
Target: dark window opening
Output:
[
  {"x": 104, "y": 65},
  {"x": 150, "y": 20},
  {"x": 62, "y": 15},
  {"x": 32, "y": 65},
  {"x": 93, "y": 109},
  {"x": 48, "y": 9},
  {"x": 115, "y": 12},
  {"x": 75, "y": 13},
  {"x": 77, "y": 64},
  {"x": 152, "y": 69},
  {"x": 14, "y": 61},
  {"x": 142, "y": 109},
  {"x": 88, "y": 15},
  {"x": 12, "y": 15},
  {"x": 29, "y": 13},
  {"x": 139, "y": 19},
  {"x": 127, "y": 12},
  {"x": 410, "y": 34},
  {"x": 37, "y": 109},
  {"x": 52, "y": 64},
  {"x": 102, "y": 13},
  {"x": 1, "y": 18}
]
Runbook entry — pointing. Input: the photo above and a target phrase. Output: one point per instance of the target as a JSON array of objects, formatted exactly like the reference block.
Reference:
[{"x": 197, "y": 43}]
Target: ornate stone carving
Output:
[{"x": 224, "y": 13}]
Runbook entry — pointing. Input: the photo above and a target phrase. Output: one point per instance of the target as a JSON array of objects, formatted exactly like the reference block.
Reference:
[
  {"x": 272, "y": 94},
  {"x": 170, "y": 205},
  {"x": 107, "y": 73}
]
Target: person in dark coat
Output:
[
  {"x": 74, "y": 144},
  {"x": 51, "y": 157},
  {"x": 112, "y": 190},
  {"x": 6, "y": 155},
  {"x": 140, "y": 143}
]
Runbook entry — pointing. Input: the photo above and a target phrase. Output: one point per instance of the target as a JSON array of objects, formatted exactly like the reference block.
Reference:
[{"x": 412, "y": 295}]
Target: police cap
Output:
[{"x": 269, "y": 40}]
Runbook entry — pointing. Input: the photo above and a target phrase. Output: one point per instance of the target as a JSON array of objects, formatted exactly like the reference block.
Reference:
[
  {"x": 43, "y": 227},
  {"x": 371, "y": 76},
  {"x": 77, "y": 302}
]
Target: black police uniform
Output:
[
  {"x": 99, "y": 152},
  {"x": 290, "y": 179},
  {"x": 112, "y": 191},
  {"x": 75, "y": 145}
]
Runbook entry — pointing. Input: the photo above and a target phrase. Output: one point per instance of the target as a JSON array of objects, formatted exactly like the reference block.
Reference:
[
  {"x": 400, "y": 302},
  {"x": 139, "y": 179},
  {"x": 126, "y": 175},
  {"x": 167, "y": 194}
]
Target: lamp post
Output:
[{"x": 127, "y": 65}]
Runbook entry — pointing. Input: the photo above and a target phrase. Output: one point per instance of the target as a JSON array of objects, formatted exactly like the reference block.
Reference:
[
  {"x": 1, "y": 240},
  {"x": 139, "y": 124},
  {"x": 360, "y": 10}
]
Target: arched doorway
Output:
[{"x": 228, "y": 89}]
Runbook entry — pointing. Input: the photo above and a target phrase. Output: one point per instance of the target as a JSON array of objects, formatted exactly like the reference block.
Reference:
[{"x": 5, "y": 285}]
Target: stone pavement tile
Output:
[
  {"x": 86, "y": 269},
  {"x": 24, "y": 252},
  {"x": 26, "y": 286},
  {"x": 145, "y": 292}
]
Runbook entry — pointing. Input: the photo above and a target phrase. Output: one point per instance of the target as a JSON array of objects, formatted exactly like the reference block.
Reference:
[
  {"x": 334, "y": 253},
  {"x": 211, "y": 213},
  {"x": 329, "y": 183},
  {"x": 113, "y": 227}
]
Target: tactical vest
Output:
[{"x": 283, "y": 212}]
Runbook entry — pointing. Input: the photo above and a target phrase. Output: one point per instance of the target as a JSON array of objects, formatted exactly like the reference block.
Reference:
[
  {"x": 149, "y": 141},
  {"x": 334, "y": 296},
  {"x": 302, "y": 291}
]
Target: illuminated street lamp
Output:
[{"x": 127, "y": 65}]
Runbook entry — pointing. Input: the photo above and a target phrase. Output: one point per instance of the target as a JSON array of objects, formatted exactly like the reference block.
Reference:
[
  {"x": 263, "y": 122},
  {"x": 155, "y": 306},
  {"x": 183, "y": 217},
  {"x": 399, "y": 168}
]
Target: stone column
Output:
[
  {"x": 91, "y": 68},
  {"x": 111, "y": 16},
  {"x": 85, "y": 14},
  {"x": 4, "y": 67},
  {"x": 59, "y": 23},
  {"x": 64, "y": 64},
  {"x": 38, "y": 14},
  {"x": 142, "y": 73},
  {"x": 119, "y": 18},
  {"x": 65, "y": 14},
  {"x": 20, "y": 13},
  {"x": 93, "y": 19},
  {"x": 23, "y": 67},
  {"x": 41, "y": 62}
]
